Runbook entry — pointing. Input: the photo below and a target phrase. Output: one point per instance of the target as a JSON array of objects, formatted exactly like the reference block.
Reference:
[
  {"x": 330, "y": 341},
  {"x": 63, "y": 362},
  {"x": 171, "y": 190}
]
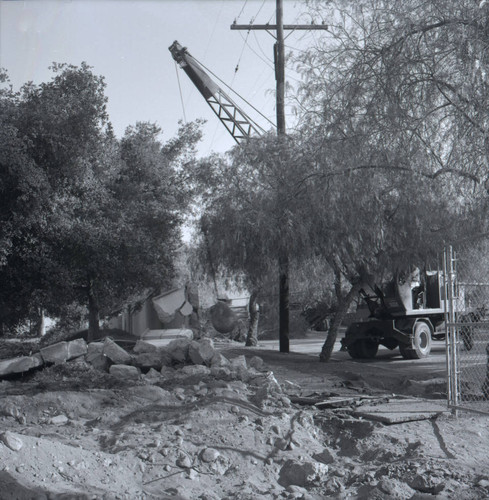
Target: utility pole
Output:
[{"x": 279, "y": 58}]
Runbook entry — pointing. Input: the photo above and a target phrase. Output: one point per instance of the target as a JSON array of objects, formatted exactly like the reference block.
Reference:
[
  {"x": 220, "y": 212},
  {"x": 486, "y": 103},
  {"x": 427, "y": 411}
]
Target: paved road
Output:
[{"x": 386, "y": 368}]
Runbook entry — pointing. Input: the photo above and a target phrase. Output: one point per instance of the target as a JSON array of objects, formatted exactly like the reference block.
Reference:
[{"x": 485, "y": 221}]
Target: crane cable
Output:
[
  {"x": 232, "y": 90},
  {"x": 180, "y": 90}
]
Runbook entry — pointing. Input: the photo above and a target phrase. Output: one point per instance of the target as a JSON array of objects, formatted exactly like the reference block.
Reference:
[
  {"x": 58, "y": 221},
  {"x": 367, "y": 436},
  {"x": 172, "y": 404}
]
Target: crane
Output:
[{"x": 236, "y": 121}]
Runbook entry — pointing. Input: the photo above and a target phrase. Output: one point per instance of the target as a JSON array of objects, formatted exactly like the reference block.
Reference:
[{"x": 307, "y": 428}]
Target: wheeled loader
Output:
[{"x": 407, "y": 312}]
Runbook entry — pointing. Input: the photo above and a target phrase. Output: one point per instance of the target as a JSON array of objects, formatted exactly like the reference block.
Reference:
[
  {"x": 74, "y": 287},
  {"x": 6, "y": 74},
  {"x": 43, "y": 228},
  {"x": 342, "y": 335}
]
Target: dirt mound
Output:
[{"x": 241, "y": 429}]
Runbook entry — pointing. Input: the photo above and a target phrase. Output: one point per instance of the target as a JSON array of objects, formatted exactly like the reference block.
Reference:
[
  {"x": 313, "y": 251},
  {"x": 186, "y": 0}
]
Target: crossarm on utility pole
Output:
[{"x": 266, "y": 27}]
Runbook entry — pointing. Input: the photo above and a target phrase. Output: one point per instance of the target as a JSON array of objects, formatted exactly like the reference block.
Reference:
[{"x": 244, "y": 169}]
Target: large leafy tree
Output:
[
  {"x": 89, "y": 218},
  {"x": 393, "y": 106}
]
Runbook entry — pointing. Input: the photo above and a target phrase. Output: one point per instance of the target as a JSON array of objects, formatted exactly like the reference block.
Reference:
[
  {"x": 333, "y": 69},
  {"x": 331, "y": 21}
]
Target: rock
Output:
[
  {"x": 218, "y": 360},
  {"x": 325, "y": 457},
  {"x": 63, "y": 351},
  {"x": 221, "y": 372},
  {"x": 151, "y": 359},
  {"x": 116, "y": 353},
  {"x": 257, "y": 363},
  {"x": 125, "y": 372},
  {"x": 296, "y": 491},
  {"x": 201, "y": 352},
  {"x": 199, "y": 370},
  {"x": 483, "y": 483},
  {"x": 77, "y": 348},
  {"x": 178, "y": 349},
  {"x": 239, "y": 362},
  {"x": 184, "y": 462},
  {"x": 395, "y": 488},
  {"x": 167, "y": 372},
  {"x": 9, "y": 409},
  {"x": 186, "y": 309},
  {"x": 95, "y": 356},
  {"x": 152, "y": 375},
  {"x": 20, "y": 365},
  {"x": 209, "y": 455},
  {"x": 192, "y": 293},
  {"x": 11, "y": 441},
  {"x": 425, "y": 484},
  {"x": 59, "y": 420},
  {"x": 301, "y": 473},
  {"x": 142, "y": 346},
  {"x": 268, "y": 387}
]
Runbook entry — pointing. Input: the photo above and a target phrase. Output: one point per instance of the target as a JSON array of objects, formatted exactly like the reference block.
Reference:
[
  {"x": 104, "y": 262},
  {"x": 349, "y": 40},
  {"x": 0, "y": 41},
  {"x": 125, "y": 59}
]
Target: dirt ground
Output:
[{"x": 70, "y": 432}]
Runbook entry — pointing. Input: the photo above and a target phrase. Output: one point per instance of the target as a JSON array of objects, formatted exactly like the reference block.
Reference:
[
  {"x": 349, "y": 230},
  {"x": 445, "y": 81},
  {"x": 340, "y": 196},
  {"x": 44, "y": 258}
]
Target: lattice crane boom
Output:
[{"x": 236, "y": 121}]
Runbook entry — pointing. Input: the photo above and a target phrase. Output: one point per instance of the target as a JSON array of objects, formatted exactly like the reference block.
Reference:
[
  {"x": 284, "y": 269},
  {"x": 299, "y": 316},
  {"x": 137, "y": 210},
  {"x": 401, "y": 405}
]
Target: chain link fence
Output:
[{"x": 467, "y": 303}]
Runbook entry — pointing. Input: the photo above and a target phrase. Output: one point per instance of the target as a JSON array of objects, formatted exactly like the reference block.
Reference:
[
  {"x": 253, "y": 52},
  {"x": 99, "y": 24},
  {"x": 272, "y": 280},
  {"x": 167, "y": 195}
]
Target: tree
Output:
[
  {"x": 388, "y": 117},
  {"x": 87, "y": 217}
]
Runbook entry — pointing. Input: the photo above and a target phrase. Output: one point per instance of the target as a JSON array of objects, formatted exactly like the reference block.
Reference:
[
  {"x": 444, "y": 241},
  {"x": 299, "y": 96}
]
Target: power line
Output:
[{"x": 242, "y": 9}]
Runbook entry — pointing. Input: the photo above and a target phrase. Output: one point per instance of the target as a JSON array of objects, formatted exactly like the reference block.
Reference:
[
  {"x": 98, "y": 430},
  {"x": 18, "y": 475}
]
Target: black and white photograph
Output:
[{"x": 244, "y": 249}]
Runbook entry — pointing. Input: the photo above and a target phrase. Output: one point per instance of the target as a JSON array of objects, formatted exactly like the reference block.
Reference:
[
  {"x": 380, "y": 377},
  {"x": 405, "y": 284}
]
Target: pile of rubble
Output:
[{"x": 189, "y": 357}]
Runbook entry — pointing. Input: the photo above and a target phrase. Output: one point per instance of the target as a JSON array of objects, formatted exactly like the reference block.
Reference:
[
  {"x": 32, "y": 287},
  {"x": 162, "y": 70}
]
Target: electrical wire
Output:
[
  {"x": 242, "y": 9},
  {"x": 268, "y": 62},
  {"x": 214, "y": 28}
]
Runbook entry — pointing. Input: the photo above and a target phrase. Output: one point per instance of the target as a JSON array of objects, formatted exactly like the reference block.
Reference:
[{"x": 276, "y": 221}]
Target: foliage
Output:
[
  {"x": 85, "y": 217},
  {"x": 393, "y": 110}
]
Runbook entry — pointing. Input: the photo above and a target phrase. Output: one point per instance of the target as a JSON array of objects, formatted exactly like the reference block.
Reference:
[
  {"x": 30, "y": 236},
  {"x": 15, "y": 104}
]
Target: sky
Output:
[{"x": 127, "y": 41}]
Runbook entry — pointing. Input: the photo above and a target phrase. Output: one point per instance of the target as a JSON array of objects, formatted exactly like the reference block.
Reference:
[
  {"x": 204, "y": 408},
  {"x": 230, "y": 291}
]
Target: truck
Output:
[{"x": 407, "y": 312}]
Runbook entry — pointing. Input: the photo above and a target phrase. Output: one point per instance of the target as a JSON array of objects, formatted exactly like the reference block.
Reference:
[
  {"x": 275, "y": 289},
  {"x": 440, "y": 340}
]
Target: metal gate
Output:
[{"x": 466, "y": 270}]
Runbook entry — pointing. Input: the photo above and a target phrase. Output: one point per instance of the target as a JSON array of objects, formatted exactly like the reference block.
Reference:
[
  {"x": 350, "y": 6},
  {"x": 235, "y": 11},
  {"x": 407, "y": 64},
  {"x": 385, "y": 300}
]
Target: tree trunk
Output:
[
  {"x": 343, "y": 305},
  {"x": 41, "y": 324},
  {"x": 254, "y": 310},
  {"x": 93, "y": 315},
  {"x": 283, "y": 265}
]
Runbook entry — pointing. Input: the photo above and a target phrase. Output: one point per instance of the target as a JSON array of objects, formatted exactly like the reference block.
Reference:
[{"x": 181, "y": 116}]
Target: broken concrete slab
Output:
[
  {"x": 218, "y": 360},
  {"x": 179, "y": 349},
  {"x": 116, "y": 353},
  {"x": 95, "y": 356},
  {"x": 161, "y": 338},
  {"x": 125, "y": 372},
  {"x": 168, "y": 303},
  {"x": 64, "y": 351},
  {"x": 201, "y": 352},
  {"x": 199, "y": 370},
  {"x": 302, "y": 474},
  {"x": 402, "y": 410},
  {"x": 142, "y": 346},
  {"x": 149, "y": 360},
  {"x": 20, "y": 365}
]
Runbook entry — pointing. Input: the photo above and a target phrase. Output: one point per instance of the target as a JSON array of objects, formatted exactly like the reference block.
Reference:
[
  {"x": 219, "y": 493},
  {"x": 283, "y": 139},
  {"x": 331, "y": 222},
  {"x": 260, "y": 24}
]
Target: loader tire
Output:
[
  {"x": 420, "y": 346},
  {"x": 363, "y": 349}
]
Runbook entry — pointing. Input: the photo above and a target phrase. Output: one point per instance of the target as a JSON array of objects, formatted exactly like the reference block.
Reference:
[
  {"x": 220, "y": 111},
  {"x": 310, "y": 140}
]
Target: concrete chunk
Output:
[
  {"x": 11, "y": 440},
  {"x": 201, "y": 352},
  {"x": 125, "y": 372},
  {"x": 218, "y": 360},
  {"x": 199, "y": 370},
  {"x": 20, "y": 365},
  {"x": 302, "y": 473},
  {"x": 95, "y": 356},
  {"x": 178, "y": 349},
  {"x": 142, "y": 346},
  {"x": 149, "y": 360},
  {"x": 64, "y": 351},
  {"x": 56, "y": 353},
  {"x": 115, "y": 353},
  {"x": 76, "y": 348}
]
